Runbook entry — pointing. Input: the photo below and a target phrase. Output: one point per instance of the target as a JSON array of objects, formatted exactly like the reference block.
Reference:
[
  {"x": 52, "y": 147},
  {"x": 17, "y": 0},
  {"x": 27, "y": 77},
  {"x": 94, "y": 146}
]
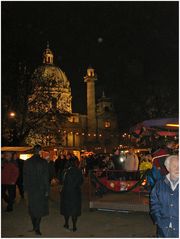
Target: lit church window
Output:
[
  {"x": 90, "y": 72},
  {"x": 73, "y": 119},
  {"x": 107, "y": 124}
]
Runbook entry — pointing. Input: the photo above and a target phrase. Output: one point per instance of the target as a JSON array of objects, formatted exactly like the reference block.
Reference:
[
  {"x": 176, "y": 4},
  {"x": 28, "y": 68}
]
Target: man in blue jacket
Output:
[{"x": 164, "y": 200}]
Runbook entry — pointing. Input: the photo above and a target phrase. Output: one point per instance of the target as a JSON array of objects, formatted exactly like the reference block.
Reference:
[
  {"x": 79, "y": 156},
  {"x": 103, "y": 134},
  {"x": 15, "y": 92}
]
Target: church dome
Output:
[
  {"x": 52, "y": 76},
  {"x": 48, "y": 71}
]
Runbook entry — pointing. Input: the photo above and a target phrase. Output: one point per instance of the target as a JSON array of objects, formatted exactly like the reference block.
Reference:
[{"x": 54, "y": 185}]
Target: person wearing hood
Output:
[{"x": 70, "y": 204}]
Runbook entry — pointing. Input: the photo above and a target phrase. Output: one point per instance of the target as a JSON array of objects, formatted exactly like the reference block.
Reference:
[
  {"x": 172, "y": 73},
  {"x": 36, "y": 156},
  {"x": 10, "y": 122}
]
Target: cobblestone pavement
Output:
[{"x": 90, "y": 224}]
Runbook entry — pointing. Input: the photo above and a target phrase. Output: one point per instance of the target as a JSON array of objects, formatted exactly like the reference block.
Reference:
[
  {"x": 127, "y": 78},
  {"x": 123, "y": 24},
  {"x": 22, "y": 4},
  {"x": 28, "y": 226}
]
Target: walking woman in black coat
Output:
[
  {"x": 70, "y": 205},
  {"x": 36, "y": 184}
]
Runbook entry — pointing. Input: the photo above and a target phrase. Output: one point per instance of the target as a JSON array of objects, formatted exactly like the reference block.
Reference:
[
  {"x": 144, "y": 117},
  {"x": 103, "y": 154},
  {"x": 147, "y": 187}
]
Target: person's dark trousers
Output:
[
  {"x": 33, "y": 219},
  {"x": 36, "y": 224},
  {"x": 38, "y": 220},
  {"x": 21, "y": 190},
  {"x": 66, "y": 225},
  {"x": 74, "y": 221},
  {"x": 3, "y": 192},
  {"x": 10, "y": 198}
]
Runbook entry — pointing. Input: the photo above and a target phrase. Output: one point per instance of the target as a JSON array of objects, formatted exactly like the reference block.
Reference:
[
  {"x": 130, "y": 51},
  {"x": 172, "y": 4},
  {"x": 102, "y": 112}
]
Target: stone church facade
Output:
[{"x": 96, "y": 131}]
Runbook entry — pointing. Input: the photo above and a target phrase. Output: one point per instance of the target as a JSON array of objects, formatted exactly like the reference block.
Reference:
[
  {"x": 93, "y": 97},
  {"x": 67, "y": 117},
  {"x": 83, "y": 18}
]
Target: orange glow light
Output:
[
  {"x": 172, "y": 125},
  {"x": 144, "y": 182},
  {"x": 12, "y": 114}
]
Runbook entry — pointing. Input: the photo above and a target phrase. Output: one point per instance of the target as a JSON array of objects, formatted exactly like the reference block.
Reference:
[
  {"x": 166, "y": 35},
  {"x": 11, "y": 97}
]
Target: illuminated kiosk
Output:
[{"x": 131, "y": 201}]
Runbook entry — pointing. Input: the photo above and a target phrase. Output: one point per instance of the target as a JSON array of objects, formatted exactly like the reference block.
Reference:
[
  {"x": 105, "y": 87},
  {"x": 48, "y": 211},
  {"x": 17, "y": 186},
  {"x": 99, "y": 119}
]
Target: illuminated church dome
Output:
[
  {"x": 55, "y": 75},
  {"x": 57, "y": 82}
]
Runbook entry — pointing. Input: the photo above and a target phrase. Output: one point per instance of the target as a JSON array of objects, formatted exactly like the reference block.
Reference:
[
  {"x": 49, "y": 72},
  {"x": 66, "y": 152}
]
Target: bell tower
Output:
[{"x": 90, "y": 79}]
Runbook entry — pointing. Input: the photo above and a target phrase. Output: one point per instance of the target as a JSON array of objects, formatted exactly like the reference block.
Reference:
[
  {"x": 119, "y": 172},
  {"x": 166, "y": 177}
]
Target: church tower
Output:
[{"x": 90, "y": 79}]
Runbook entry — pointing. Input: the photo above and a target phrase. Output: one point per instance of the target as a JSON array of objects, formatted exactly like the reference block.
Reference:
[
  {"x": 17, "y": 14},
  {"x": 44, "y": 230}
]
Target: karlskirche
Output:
[{"x": 96, "y": 131}]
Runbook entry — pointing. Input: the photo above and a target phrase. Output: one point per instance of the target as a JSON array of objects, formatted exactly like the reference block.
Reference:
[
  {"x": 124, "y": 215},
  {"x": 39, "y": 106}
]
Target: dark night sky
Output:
[{"x": 130, "y": 45}]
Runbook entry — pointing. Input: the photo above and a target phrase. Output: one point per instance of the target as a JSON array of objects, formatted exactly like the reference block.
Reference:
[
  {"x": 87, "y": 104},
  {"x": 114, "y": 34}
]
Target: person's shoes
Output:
[
  {"x": 37, "y": 232},
  {"x": 66, "y": 226},
  {"x": 74, "y": 229}
]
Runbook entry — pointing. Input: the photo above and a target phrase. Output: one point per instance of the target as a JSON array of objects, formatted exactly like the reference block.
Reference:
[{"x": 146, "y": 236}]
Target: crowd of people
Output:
[
  {"x": 35, "y": 175},
  {"x": 34, "y": 178}
]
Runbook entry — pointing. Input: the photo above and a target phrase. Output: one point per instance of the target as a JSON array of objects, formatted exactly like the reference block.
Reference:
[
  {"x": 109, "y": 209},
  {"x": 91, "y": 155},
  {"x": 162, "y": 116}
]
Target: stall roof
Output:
[
  {"x": 16, "y": 149},
  {"x": 156, "y": 122},
  {"x": 162, "y": 124}
]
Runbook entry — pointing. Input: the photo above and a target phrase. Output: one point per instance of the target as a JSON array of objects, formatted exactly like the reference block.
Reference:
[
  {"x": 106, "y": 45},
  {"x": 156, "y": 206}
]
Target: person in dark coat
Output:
[
  {"x": 19, "y": 183},
  {"x": 36, "y": 183},
  {"x": 51, "y": 168},
  {"x": 70, "y": 204},
  {"x": 59, "y": 166},
  {"x": 9, "y": 176},
  {"x": 164, "y": 200}
]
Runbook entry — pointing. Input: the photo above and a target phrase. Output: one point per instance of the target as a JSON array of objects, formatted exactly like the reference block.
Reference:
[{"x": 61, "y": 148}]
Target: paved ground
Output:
[{"x": 90, "y": 224}]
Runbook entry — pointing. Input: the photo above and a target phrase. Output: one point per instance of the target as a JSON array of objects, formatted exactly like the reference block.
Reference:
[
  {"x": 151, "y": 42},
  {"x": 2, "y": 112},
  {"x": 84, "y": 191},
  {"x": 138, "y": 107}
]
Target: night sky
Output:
[{"x": 130, "y": 45}]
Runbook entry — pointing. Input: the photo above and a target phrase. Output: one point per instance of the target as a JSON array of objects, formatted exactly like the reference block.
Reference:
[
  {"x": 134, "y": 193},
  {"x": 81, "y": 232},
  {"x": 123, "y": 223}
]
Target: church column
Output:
[
  {"x": 73, "y": 139},
  {"x": 66, "y": 138},
  {"x": 90, "y": 79}
]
